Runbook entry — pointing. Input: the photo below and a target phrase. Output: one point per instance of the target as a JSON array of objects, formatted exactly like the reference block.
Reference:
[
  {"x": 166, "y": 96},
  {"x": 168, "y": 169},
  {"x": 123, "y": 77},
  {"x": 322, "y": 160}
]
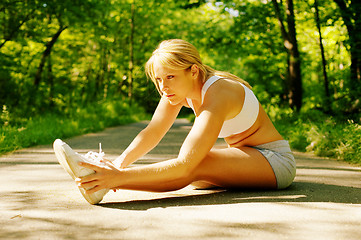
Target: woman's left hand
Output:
[{"x": 103, "y": 178}]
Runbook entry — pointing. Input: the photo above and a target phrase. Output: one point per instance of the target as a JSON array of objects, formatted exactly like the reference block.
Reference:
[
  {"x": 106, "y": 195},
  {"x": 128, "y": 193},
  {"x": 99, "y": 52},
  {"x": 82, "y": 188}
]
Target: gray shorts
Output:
[{"x": 282, "y": 161}]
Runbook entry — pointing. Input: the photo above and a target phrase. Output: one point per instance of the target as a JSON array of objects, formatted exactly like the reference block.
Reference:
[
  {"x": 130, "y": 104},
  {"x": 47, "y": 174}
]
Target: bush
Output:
[
  {"x": 19, "y": 133},
  {"x": 322, "y": 135}
]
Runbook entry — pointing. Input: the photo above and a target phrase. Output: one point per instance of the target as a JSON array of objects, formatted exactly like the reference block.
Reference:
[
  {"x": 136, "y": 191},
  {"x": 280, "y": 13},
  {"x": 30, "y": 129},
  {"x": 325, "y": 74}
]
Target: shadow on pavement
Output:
[{"x": 297, "y": 192}]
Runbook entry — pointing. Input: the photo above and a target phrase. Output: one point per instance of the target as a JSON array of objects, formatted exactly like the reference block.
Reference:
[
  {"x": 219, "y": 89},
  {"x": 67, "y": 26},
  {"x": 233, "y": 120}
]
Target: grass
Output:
[
  {"x": 309, "y": 131},
  {"x": 322, "y": 135},
  {"x": 318, "y": 133},
  {"x": 44, "y": 129}
]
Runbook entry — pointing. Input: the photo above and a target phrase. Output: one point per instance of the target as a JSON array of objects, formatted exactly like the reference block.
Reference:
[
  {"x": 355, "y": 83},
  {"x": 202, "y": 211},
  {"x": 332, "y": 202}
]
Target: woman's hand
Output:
[
  {"x": 103, "y": 178},
  {"x": 121, "y": 162}
]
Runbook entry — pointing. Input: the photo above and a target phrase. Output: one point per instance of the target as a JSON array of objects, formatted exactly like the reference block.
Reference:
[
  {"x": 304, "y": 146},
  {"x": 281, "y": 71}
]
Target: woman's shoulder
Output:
[
  {"x": 225, "y": 95},
  {"x": 226, "y": 89}
]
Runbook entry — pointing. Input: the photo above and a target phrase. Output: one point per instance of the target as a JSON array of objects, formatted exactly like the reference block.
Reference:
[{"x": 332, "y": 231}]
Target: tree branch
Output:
[{"x": 280, "y": 20}]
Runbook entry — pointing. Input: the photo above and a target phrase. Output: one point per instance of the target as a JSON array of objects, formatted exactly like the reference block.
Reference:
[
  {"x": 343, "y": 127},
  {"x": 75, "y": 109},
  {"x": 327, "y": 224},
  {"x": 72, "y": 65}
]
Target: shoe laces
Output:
[{"x": 95, "y": 156}]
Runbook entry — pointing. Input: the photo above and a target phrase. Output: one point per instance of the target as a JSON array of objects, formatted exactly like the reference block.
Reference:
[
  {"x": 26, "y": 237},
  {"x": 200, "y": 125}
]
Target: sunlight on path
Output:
[{"x": 39, "y": 200}]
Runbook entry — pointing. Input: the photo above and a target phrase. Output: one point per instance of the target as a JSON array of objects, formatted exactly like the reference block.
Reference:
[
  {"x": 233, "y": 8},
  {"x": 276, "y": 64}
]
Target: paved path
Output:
[{"x": 38, "y": 200}]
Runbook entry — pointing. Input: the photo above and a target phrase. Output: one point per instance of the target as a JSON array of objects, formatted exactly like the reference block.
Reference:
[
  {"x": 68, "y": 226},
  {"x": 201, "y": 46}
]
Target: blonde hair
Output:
[{"x": 182, "y": 55}]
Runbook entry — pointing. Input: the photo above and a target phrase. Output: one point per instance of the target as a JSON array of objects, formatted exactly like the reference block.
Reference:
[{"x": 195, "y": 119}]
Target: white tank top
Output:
[{"x": 244, "y": 119}]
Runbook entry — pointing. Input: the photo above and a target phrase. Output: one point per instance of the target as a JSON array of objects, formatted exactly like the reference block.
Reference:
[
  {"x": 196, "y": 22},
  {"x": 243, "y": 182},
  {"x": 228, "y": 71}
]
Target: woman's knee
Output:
[{"x": 204, "y": 167}]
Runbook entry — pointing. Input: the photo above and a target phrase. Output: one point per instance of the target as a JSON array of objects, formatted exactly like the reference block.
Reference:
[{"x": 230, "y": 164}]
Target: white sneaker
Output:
[{"x": 69, "y": 160}]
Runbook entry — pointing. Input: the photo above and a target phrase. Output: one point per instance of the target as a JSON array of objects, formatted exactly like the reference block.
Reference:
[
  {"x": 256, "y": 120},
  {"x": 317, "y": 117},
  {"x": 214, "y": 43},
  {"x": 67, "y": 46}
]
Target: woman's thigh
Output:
[{"x": 236, "y": 167}]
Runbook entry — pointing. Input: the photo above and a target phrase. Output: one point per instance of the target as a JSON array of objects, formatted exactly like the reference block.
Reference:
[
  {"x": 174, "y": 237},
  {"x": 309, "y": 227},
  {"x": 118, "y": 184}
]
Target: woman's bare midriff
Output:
[{"x": 261, "y": 132}]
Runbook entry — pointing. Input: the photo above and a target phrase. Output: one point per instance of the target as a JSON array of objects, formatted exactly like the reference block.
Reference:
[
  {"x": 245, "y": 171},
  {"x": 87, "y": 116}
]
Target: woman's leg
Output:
[
  {"x": 229, "y": 167},
  {"x": 236, "y": 168}
]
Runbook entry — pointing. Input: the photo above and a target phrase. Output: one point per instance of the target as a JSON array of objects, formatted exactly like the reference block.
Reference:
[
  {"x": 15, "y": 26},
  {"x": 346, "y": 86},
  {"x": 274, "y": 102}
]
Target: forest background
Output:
[{"x": 75, "y": 66}]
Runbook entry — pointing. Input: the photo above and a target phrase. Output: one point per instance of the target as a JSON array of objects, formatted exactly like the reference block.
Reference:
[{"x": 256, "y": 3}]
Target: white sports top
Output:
[{"x": 244, "y": 119}]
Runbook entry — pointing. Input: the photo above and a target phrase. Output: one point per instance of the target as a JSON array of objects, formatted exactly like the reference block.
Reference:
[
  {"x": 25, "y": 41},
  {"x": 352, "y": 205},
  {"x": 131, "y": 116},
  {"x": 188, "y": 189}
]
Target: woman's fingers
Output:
[
  {"x": 108, "y": 163},
  {"x": 100, "y": 179},
  {"x": 90, "y": 166},
  {"x": 89, "y": 183},
  {"x": 93, "y": 190},
  {"x": 86, "y": 185},
  {"x": 104, "y": 160},
  {"x": 88, "y": 178}
]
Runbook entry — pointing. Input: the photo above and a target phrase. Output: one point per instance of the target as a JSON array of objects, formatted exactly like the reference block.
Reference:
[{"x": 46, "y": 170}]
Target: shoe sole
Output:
[{"x": 69, "y": 160}]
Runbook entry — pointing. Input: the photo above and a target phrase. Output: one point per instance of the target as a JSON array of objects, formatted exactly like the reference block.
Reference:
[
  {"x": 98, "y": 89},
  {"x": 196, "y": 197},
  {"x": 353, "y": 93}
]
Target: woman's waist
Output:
[{"x": 253, "y": 139}]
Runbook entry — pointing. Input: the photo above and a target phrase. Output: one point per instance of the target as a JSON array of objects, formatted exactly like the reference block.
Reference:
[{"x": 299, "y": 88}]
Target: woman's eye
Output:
[{"x": 170, "y": 76}]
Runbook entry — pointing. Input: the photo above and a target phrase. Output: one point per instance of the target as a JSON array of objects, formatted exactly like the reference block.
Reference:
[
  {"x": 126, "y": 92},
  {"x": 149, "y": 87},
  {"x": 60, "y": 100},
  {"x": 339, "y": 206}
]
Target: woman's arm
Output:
[
  {"x": 166, "y": 175},
  {"x": 163, "y": 118},
  {"x": 171, "y": 174}
]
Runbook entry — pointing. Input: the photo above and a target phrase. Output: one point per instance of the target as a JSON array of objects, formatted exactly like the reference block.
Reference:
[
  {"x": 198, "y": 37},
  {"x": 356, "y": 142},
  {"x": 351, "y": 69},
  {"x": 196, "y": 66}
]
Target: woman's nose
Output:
[{"x": 163, "y": 86}]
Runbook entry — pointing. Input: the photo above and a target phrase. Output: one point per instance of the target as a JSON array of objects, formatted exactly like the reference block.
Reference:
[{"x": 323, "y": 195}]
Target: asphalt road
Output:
[{"x": 38, "y": 200}]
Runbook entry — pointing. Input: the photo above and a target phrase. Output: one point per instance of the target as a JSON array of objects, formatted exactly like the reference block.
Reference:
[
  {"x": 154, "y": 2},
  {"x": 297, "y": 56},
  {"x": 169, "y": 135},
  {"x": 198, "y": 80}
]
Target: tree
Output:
[
  {"x": 16, "y": 14},
  {"x": 101, "y": 54},
  {"x": 327, "y": 103},
  {"x": 131, "y": 51},
  {"x": 55, "y": 17},
  {"x": 49, "y": 45},
  {"x": 350, "y": 12},
  {"x": 294, "y": 79}
]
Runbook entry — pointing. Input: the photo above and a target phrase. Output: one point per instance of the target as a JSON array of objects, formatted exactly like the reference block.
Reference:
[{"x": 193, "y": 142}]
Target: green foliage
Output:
[
  {"x": 88, "y": 64},
  {"x": 90, "y": 59},
  {"x": 18, "y": 133},
  {"x": 323, "y": 135}
]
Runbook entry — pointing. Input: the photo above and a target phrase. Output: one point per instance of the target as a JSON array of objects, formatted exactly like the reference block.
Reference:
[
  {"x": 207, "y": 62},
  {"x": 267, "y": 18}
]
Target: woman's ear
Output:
[{"x": 195, "y": 71}]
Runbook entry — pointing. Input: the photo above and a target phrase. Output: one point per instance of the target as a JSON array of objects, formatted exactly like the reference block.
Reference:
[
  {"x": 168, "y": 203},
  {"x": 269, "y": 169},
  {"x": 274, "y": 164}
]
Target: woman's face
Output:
[{"x": 175, "y": 85}]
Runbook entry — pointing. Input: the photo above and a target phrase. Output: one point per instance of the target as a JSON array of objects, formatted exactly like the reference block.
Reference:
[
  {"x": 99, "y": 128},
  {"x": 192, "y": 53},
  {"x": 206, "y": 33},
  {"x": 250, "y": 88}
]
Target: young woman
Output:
[{"x": 256, "y": 157}]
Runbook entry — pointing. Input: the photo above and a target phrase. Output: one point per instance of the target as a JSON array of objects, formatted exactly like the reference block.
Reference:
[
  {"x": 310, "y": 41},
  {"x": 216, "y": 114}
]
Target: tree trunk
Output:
[
  {"x": 327, "y": 103},
  {"x": 131, "y": 57},
  {"x": 350, "y": 13},
  {"x": 294, "y": 79},
  {"x": 295, "y": 94},
  {"x": 12, "y": 34},
  {"x": 51, "y": 82},
  {"x": 355, "y": 85},
  {"x": 45, "y": 54}
]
